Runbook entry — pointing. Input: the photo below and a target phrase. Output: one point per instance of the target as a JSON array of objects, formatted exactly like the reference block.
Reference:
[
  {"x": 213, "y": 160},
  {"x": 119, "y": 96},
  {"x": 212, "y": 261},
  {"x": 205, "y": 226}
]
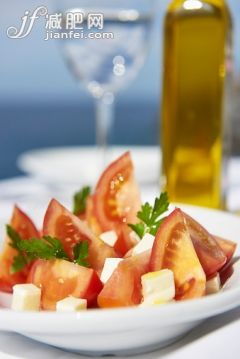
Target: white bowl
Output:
[
  {"x": 131, "y": 330},
  {"x": 83, "y": 165}
]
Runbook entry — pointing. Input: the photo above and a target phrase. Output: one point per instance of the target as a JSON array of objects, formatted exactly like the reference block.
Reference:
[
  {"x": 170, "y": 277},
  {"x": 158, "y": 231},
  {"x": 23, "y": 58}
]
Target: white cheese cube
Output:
[
  {"x": 26, "y": 297},
  {"x": 213, "y": 285},
  {"x": 144, "y": 245},
  {"x": 109, "y": 237},
  {"x": 110, "y": 265},
  {"x": 158, "y": 287},
  {"x": 71, "y": 304}
]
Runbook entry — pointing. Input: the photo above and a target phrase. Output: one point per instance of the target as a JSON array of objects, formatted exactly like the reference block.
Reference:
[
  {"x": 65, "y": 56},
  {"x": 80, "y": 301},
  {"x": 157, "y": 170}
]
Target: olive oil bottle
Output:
[{"x": 196, "y": 82}]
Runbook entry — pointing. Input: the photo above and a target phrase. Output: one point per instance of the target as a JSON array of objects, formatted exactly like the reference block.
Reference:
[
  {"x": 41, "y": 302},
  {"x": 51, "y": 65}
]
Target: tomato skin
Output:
[
  {"x": 62, "y": 224},
  {"x": 210, "y": 254},
  {"x": 227, "y": 246},
  {"x": 59, "y": 279},
  {"x": 24, "y": 226},
  {"x": 173, "y": 249},
  {"x": 124, "y": 286},
  {"x": 227, "y": 271},
  {"x": 116, "y": 202}
]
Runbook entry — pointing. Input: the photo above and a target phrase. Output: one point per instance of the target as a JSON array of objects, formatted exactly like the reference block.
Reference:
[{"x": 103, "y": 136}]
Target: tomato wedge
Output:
[
  {"x": 23, "y": 225},
  {"x": 90, "y": 216},
  {"x": 62, "y": 224},
  {"x": 124, "y": 286},
  {"x": 59, "y": 279},
  {"x": 116, "y": 202},
  {"x": 226, "y": 272},
  {"x": 228, "y": 247},
  {"x": 210, "y": 253},
  {"x": 173, "y": 249}
]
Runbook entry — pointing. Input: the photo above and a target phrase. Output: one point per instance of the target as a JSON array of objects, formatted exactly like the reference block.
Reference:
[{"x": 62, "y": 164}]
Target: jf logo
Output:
[
  {"x": 27, "y": 23},
  {"x": 73, "y": 20}
]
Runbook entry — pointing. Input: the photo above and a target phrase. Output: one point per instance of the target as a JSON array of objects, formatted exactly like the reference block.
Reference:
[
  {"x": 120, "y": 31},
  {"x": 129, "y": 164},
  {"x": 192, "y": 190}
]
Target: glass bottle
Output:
[{"x": 196, "y": 91}]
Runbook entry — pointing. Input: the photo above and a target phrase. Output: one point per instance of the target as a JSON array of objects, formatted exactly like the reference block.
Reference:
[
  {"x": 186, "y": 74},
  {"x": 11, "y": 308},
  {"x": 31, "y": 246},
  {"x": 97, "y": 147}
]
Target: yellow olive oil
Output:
[{"x": 196, "y": 45}]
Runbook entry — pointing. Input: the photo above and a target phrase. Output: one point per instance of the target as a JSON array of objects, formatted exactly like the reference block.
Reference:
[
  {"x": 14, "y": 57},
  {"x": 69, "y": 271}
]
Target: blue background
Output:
[{"x": 41, "y": 104}]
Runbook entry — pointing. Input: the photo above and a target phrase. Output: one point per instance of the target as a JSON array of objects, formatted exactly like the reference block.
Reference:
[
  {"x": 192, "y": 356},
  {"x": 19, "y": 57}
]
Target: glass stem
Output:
[{"x": 104, "y": 123}]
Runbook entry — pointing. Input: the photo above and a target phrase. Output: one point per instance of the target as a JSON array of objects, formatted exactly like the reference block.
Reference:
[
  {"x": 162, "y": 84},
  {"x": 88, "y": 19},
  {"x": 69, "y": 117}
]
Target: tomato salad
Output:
[{"x": 66, "y": 258}]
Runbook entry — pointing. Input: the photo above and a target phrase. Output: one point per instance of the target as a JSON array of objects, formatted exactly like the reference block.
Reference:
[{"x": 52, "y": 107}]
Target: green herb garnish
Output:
[
  {"x": 19, "y": 261},
  {"x": 150, "y": 216},
  {"x": 80, "y": 200},
  {"x": 80, "y": 252},
  {"x": 44, "y": 248}
]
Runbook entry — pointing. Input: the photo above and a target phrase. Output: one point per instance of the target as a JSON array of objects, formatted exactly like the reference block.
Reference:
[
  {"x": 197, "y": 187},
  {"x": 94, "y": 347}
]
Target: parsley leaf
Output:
[
  {"x": 45, "y": 248},
  {"x": 19, "y": 261},
  {"x": 138, "y": 228},
  {"x": 80, "y": 199},
  {"x": 80, "y": 252},
  {"x": 151, "y": 216}
]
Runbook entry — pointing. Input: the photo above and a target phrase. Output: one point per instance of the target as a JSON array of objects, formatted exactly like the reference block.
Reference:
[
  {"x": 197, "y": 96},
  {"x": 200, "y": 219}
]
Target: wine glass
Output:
[{"x": 107, "y": 63}]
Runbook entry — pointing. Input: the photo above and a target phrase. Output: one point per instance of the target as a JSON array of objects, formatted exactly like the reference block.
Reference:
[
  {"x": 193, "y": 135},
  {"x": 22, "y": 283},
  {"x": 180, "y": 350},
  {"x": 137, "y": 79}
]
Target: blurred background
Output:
[{"x": 42, "y": 105}]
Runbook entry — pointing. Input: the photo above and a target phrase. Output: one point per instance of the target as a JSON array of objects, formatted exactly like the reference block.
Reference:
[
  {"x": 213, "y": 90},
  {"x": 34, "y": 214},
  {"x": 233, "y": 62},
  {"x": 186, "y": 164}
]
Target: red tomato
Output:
[
  {"x": 23, "y": 225},
  {"x": 210, "y": 254},
  {"x": 59, "y": 279},
  {"x": 91, "y": 218},
  {"x": 226, "y": 272},
  {"x": 228, "y": 247},
  {"x": 68, "y": 228},
  {"x": 173, "y": 249},
  {"x": 124, "y": 286},
  {"x": 116, "y": 202}
]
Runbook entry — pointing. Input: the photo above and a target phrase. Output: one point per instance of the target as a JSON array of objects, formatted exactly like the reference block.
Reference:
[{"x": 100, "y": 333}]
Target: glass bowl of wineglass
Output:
[{"x": 105, "y": 44}]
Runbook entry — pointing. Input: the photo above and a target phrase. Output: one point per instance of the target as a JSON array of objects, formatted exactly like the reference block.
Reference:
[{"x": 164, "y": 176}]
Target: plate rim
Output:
[{"x": 81, "y": 322}]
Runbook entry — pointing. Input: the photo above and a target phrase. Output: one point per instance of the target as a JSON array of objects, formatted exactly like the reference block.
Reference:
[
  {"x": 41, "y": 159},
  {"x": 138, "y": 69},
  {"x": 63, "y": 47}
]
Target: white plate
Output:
[
  {"x": 130, "y": 330},
  {"x": 83, "y": 165},
  {"x": 60, "y": 167}
]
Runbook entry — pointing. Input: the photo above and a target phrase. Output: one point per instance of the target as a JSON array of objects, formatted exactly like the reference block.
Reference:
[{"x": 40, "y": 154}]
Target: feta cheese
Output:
[
  {"x": 213, "y": 285},
  {"x": 158, "y": 287},
  {"x": 110, "y": 265},
  {"x": 26, "y": 297},
  {"x": 144, "y": 245},
  {"x": 109, "y": 237},
  {"x": 71, "y": 304}
]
